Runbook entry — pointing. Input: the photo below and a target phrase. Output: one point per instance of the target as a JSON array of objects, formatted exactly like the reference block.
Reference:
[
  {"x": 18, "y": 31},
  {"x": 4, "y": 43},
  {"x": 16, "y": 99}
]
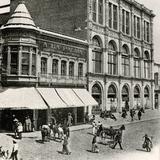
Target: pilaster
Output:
[{"x": 9, "y": 60}]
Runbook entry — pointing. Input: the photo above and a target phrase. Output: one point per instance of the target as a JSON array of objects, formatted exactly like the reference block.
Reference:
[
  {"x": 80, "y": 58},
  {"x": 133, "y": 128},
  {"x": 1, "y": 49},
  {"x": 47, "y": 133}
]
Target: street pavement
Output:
[{"x": 30, "y": 147}]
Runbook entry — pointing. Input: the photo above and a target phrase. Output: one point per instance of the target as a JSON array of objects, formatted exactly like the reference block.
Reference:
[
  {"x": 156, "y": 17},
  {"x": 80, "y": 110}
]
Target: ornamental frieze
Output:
[
  {"x": 65, "y": 50},
  {"x": 113, "y": 34}
]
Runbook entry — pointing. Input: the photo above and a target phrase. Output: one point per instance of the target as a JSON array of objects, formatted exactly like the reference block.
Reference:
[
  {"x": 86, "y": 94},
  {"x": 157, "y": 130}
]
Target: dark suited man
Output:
[{"x": 118, "y": 139}]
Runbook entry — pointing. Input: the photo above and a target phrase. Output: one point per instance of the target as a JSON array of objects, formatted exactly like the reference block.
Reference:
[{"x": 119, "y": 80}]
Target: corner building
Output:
[
  {"x": 43, "y": 73},
  {"x": 120, "y": 54}
]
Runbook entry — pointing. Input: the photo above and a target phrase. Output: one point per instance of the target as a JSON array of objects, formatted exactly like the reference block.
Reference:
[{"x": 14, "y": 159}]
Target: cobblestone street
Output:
[{"x": 31, "y": 149}]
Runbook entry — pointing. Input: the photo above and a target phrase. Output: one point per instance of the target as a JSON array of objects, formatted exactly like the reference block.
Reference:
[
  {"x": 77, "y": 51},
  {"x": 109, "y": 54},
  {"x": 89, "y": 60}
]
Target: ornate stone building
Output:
[
  {"x": 43, "y": 73},
  {"x": 120, "y": 54}
]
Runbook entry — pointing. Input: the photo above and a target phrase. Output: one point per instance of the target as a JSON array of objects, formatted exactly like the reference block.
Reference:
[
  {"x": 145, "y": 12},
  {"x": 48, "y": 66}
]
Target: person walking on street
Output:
[
  {"x": 147, "y": 143},
  {"x": 14, "y": 154},
  {"x": 94, "y": 127},
  {"x": 19, "y": 130},
  {"x": 118, "y": 139},
  {"x": 95, "y": 148},
  {"x": 69, "y": 120},
  {"x": 139, "y": 114},
  {"x": 65, "y": 149}
]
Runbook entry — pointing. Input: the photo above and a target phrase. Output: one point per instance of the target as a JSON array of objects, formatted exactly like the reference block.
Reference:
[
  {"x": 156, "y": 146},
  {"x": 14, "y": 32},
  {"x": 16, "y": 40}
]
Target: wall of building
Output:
[{"x": 67, "y": 17}]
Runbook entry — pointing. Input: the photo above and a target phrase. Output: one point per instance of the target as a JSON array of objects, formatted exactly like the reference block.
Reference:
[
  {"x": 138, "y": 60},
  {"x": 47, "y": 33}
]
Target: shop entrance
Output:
[
  {"x": 97, "y": 95},
  {"x": 125, "y": 98},
  {"x": 7, "y": 117}
]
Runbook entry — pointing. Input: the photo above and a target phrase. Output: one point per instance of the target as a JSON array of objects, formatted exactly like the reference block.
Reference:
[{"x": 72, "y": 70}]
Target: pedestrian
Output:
[
  {"x": 118, "y": 139},
  {"x": 14, "y": 154},
  {"x": 94, "y": 127},
  {"x": 69, "y": 120},
  {"x": 66, "y": 131},
  {"x": 14, "y": 125},
  {"x": 139, "y": 114},
  {"x": 19, "y": 130},
  {"x": 95, "y": 148},
  {"x": 28, "y": 124},
  {"x": 124, "y": 113},
  {"x": 132, "y": 113},
  {"x": 147, "y": 143},
  {"x": 65, "y": 149}
]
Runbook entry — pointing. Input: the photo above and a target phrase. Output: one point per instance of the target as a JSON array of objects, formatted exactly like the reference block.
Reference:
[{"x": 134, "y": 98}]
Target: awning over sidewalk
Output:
[
  {"x": 52, "y": 98},
  {"x": 85, "y": 97},
  {"x": 69, "y": 97},
  {"x": 21, "y": 98}
]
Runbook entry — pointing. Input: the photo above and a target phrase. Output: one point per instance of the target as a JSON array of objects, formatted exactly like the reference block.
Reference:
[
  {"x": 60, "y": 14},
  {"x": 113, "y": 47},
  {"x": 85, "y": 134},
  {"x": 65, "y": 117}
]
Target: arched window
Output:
[
  {"x": 125, "y": 93},
  {"x": 112, "y": 59},
  {"x": 125, "y": 61},
  {"x": 146, "y": 92},
  {"x": 112, "y": 92},
  {"x": 146, "y": 65},
  {"x": 137, "y": 71},
  {"x": 97, "y": 56},
  {"x": 136, "y": 92}
]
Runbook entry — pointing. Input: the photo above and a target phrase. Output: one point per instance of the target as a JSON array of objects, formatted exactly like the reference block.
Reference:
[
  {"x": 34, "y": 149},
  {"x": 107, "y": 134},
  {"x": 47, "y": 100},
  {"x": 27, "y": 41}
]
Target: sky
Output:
[{"x": 151, "y": 4}]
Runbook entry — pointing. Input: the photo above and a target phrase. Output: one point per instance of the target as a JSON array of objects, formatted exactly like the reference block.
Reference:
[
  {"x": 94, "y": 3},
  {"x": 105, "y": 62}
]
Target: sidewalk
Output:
[{"x": 148, "y": 115}]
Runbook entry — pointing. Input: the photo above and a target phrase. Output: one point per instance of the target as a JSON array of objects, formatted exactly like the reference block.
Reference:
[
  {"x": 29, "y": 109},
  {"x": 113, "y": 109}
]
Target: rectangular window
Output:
[
  {"x": 63, "y": 68},
  {"x": 138, "y": 27},
  {"x": 127, "y": 23},
  {"x": 110, "y": 15},
  {"x": 25, "y": 63},
  {"x": 125, "y": 66},
  {"x": 115, "y": 17},
  {"x": 97, "y": 62},
  {"x": 14, "y": 63},
  {"x": 146, "y": 70},
  {"x": 112, "y": 61},
  {"x": 33, "y": 64},
  {"x": 71, "y": 69},
  {"x": 100, "y": 11},
  {"x": 14, "y": 60},
  {"x": 43, "y": 65},
  {"x": 123, "y": 21},
  {"x": 80, "y": 70},
  {"x": 94, "y": 10},
  {"x": 147, "y": 31},
  {"x": 135, "y": 26},
  {"x": 55, "y": 67},
  {"x": 137, "y": 68}
]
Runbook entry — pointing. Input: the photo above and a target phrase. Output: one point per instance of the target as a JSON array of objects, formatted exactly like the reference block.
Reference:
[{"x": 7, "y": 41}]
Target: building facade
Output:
[
  {"x": 52, "y": 64},
  {"x": 157, "y": 84},
  {"x": 120, "y": 54}
]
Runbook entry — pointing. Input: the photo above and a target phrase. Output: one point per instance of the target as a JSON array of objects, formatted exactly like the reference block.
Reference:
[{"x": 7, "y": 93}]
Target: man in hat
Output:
[{"x": 14, "y": 154}]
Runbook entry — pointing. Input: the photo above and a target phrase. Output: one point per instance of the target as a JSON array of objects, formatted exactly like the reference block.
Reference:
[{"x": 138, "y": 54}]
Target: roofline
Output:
[
  {"x": 61, "y": 35},
  {"x": 141, "y": 6}
]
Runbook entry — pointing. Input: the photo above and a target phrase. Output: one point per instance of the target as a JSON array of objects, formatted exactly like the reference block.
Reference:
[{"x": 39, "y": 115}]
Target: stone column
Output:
[
  {"x": 9, "y": 60},
  {"x": 142, "y": 95}
]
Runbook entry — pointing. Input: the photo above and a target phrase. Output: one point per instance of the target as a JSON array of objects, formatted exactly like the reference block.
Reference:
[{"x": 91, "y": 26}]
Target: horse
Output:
[
  {"x": 108, "y": 114},
  {"x": 111, "y": 132}
]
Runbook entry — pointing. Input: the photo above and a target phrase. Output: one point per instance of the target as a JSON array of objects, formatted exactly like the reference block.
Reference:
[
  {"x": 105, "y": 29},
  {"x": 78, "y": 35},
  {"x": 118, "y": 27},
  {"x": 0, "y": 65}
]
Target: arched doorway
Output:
[
  {"x": 125, "y": 98},
  {"x": 112, "y": 98},
  {"x": 147, "y": 103},
  {"x": 137, "y": 97},
  {"x": 97, "y": 95}
]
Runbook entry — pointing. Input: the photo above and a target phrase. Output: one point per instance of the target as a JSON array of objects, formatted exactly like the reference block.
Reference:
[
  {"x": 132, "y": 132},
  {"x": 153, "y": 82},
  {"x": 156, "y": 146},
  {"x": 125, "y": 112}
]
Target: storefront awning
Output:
[
  {"x": 85, "y": 97},
  {"x": 69, "y": 97},
  {"x": 52, "y": 98},
  {"x": 21, "y": 98}
]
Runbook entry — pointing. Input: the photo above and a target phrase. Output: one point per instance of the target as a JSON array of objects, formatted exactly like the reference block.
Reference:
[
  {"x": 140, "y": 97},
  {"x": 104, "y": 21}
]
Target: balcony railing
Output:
[{"x": 61, "y": 79}]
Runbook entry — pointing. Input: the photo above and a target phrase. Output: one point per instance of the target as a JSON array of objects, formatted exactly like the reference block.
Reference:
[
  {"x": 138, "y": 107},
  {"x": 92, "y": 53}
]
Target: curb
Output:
[{"x": 125, "y": 123}]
